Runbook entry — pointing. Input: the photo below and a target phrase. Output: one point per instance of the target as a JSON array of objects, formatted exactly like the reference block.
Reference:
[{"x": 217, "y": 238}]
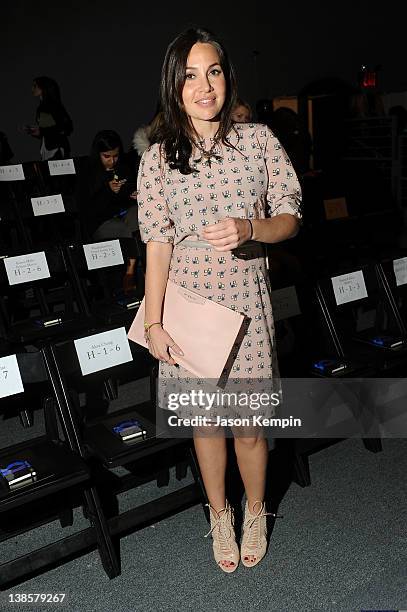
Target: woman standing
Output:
[
  {"x": 204, "y": 191},
  {"x": 54, "y": 125}
]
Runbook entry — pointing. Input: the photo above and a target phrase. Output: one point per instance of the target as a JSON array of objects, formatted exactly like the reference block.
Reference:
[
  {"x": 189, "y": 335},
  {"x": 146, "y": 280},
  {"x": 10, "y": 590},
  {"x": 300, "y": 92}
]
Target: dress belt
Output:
[
  {"x": 203, "y": 244},
  {"x": 249, "y": 250}
]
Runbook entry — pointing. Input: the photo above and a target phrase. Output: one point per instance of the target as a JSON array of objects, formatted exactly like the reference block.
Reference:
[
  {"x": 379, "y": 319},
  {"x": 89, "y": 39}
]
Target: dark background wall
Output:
[{"x": 107, "y": 55}]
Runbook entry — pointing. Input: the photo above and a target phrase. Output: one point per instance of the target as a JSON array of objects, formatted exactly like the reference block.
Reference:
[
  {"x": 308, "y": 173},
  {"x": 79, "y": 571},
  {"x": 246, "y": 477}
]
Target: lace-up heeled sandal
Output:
[
  {"x": 225, "y": 548},
  {"x": 254, "y": 539}
]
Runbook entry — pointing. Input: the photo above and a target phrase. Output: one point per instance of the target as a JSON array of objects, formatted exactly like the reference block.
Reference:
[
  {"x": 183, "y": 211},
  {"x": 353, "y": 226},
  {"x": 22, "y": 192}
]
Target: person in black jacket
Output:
[
  {"x": 53, "y": 123},
  {"x": 107, "y": 190},
  {"x": 106, "y": 194},
  {"x": 296, "y": 140}
]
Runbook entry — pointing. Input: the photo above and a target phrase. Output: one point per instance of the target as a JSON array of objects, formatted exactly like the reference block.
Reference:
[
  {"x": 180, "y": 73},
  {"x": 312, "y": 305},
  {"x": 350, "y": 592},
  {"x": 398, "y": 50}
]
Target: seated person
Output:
[
  {"x": 106, "y": 193},
  {"x": 143, "y": 137},
  {"x": 242, "y": 112},
  {"x": 264, "y": 111},
  {"x": 296, "y": 140}
]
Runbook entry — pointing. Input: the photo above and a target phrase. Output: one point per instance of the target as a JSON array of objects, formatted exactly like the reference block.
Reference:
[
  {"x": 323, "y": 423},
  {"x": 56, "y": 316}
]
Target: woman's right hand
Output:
[
  {"x": 158, "y": 343},
  {"x": 115, "y": 185},
  {"x": 31, "y": 130}
]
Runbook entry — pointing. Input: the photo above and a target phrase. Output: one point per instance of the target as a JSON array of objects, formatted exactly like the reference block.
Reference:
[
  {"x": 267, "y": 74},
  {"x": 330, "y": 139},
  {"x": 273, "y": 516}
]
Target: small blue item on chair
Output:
[
  {"x": 129, "y": 430},
  {"x": 329, "y": 366},
  {"x": 387, "y": 341},
  {"x": 122, "y": 213},
  {"x": 18, "y": 473}
]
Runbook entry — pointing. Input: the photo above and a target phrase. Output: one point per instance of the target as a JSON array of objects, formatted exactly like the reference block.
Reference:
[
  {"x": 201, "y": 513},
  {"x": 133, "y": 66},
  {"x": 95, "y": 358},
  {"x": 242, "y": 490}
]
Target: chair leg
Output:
[
  {"x": 196, "y": 473},
  {"x": 110, "y": 388},
  {"x": 153, "y": 383},
  {"x": 26, "y": 418},
  {"x": 66, "y": 517},
  {"x": 141, "y": 250},
  {"x": 109, "y": 554},
  {"x": 50, "y": 417},
  {"x": 374, "y": 445},
  {"x": 163, "y": 478},
  {"x": 181, "y": 468},
  {"x": 301, "y": 472}
]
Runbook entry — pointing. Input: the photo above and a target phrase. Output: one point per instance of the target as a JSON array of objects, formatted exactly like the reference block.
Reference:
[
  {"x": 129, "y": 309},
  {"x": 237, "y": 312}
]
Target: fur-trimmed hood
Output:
[{"x": 141, "y": 139}]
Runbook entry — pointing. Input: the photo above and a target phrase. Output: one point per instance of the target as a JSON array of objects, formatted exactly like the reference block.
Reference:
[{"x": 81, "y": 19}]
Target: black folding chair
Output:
[
  {"x": 46, "y": 206},
  {"x": 368, "y": 337},
  {"x": 37, "y": 298},
  {"x": 303, "y": 337},
  {"x": 98, "y": 271},
  {"x": 42, "y": 478},
  {"x": 310, "y": 347},
  {"x": 359, "y": 307},
  {"x": 129, "y": 437},
  {"x": 394, "y": 278}
]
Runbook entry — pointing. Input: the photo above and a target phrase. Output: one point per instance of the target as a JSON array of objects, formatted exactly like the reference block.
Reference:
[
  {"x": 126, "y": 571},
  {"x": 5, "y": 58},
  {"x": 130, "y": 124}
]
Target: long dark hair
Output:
[
  {"x": 51, "y": 103},
  {"x": 50, "y": 90},
  {"x": 105, "y": 140},
  {"x": 175, "y": 129}
]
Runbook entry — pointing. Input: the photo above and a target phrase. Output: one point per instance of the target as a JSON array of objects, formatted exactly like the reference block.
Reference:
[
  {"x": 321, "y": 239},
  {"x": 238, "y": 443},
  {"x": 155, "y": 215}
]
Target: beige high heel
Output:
[
  {"x": 254, "y": 539},
  {"x": 225, "y": 547}
]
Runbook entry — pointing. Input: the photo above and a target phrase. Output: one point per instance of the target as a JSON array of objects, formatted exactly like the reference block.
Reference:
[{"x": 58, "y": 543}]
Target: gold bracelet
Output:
[
  {"x": 251, "y": 229},
  {"x": 148, "y": 325}
]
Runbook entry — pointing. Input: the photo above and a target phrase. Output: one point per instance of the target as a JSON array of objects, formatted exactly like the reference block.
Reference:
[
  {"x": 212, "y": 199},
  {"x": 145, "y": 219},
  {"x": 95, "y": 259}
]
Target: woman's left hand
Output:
[
  {"x": 228, "y": 234},
  {"x": 116, "y": 185},
  {"x": 34, "y": 131}
]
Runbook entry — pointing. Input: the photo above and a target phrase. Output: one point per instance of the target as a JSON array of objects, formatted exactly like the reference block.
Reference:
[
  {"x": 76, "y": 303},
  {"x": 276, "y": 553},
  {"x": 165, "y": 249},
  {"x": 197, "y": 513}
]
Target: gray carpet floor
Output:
[{"x": 341, "y": 547}]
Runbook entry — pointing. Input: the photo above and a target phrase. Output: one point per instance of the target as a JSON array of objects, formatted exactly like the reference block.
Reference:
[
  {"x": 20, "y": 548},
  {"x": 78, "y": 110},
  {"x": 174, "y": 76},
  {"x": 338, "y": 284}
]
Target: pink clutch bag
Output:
[{"x": 203, "y": 329}]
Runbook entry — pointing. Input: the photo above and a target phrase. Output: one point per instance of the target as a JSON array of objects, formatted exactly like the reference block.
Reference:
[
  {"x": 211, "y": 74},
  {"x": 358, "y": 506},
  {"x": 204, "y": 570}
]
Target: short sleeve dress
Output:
[{"x": 252, "y": 178}]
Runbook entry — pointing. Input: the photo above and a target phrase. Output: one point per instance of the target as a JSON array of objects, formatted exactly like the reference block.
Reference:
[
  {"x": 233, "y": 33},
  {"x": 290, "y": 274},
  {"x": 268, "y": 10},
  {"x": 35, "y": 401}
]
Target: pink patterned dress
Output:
[{"x": 251, "y": 179}]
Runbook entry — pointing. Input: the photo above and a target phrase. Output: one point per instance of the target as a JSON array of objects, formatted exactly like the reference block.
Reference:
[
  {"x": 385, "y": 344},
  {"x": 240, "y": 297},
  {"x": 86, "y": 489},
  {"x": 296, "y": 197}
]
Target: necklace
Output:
[{"x": 209, "y": 155}]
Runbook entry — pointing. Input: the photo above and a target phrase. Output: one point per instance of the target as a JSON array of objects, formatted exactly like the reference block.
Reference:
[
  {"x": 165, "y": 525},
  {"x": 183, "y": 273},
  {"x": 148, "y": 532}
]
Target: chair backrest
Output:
[
  {"x": 50, "y": 177},
  {"x": 106, "y": 352},
  {"x": 24, "y": 387},
  {"x": 18, "y": 371},
  {"x": 45, "y": 205},
  {"x": 36, "y": 286},
  {"x": 394, "y": 274},
  {"x": 302, "y": 335},
  {"x": 99, "y": 365},
  {"x": 358, "y": 303},
  {"x": 99, "y": 270}
]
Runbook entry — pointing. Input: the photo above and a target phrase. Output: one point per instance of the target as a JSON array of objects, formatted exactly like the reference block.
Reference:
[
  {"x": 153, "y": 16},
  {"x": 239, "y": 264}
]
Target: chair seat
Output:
[
  {"x": 29, "y": 331},
  {"x": 381, "y": 359},
  {"x": 112, "y": 451},
  {"x": 114, "y": 314},
  {"x": 354, "y": 369},
  {"x": 56, "y": 467}
]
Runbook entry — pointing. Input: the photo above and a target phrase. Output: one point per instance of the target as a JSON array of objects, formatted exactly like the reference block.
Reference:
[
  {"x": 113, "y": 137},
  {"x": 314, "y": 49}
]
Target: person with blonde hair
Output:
[
  {"x": 145, "y": 135},
  {"x": 242, "y": 112}
]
